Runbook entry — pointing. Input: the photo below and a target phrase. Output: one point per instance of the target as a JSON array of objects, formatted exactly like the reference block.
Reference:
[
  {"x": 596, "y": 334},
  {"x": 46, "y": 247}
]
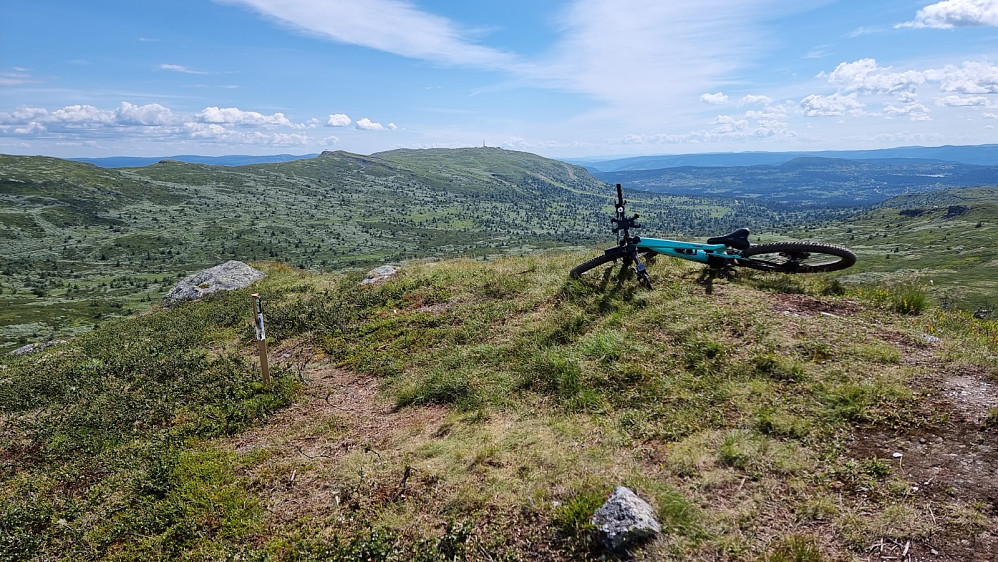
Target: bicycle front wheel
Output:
[
  {"x": 797, "y": 257},
  {"x": 585, "y": 266}
]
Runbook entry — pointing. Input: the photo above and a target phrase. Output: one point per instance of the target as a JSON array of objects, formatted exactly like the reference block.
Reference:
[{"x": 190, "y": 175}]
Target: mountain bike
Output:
[{"x": 720, "y": 253}]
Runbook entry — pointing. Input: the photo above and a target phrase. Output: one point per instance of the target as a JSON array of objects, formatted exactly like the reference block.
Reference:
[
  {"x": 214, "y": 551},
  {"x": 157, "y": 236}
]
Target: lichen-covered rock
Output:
[
  {"x": 625, "y": 520},
  {"x": 379, "y": 274},
  {"x": 230, "y": 275}
]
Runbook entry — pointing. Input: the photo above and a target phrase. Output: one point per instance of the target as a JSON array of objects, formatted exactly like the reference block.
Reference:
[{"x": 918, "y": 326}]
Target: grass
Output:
[
  {"x": 75, "y": 233},
  {"x": 512, "y": 399}
]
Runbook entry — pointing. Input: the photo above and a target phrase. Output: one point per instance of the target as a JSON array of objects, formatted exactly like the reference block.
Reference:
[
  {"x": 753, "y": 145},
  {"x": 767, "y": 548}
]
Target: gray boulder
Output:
[
  {"x": 230, "y": 275},
  {"x": 379, "y": 274},
  {"x": 625, "y": 520}
]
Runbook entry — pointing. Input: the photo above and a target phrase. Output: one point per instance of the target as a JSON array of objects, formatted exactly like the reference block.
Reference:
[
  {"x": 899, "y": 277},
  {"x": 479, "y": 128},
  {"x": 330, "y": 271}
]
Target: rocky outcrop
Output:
[
  {"x": 230, "y": 275},
  {"x": 625, "y": 520},
  {"x": 379, "y": 274}
]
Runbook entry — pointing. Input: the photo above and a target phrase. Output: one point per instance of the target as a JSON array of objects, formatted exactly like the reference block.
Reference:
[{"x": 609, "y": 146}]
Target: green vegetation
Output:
[
  {"x": 470, "y": 409},
  {"x": 82, "y": 244},
  {"x": 941, "y": 245}
]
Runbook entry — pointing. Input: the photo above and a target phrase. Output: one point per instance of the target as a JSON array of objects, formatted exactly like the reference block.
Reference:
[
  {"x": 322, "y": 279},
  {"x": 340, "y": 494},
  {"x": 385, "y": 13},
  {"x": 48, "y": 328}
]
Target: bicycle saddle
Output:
[{"x": 737, "y": 239}]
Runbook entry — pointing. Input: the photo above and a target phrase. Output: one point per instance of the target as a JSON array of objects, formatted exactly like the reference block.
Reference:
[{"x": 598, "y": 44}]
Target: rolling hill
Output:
[{"x": 82, "y": 243}]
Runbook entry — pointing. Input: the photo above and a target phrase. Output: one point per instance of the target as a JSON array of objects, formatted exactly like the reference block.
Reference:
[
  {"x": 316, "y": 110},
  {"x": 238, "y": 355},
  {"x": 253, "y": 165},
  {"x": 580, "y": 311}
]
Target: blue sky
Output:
[{"x": 560, "y": 78}]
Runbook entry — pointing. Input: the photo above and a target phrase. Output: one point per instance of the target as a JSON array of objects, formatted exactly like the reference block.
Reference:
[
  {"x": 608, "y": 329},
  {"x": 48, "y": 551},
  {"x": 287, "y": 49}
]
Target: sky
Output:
[{"x": 559, "y": 78}]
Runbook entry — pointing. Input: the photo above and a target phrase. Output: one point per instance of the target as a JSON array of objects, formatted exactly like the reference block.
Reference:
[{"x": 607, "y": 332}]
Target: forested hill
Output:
[{"x": 82, "y": 242}]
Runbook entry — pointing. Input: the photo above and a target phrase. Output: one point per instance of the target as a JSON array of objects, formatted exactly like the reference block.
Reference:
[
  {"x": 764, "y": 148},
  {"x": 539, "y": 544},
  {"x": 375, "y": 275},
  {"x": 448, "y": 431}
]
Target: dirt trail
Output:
[
  {"x": 949, "y": 461},
  {"x": 340, "y": 414}
]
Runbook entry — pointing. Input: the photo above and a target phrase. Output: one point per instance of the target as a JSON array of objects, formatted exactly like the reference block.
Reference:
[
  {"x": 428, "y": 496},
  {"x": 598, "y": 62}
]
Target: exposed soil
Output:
[{"x": 341, "y": 413}]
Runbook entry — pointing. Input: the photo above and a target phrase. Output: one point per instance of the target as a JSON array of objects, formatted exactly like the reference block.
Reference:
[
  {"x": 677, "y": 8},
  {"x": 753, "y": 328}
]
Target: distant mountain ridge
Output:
[
  {"x": 984, "y": 155},
  {"x": 810, "y": 180},
  {"x": 229, "y": 160}
]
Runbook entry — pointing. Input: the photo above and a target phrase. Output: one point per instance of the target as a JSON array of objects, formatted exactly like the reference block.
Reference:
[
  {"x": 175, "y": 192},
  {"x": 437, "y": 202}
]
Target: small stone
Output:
[
  {"x": 897, "y": 455},
  {"x": 625, "y": 520},
  {"x": 934, "y": 551},
  {"x": 927, "y": 338}
]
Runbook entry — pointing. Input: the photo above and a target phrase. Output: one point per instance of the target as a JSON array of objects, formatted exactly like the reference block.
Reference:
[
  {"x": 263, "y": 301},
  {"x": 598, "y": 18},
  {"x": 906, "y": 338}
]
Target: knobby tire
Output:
[
  {"x": 787, "y": 257},
  {"x": 585, "y": 266}
]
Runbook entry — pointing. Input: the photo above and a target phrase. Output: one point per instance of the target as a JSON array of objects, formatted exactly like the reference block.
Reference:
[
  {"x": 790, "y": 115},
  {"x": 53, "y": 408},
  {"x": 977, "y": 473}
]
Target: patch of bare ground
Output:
[
  {"x": 304, "y": 446},
  {"x": 949, "y": 460},
  {"x": 341, "y": 458},
  {"x": 802, "y": 305}
]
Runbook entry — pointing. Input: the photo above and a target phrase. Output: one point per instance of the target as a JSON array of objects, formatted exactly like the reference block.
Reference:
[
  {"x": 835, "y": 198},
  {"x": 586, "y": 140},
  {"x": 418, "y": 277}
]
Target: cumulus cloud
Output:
[
  {"x": 969, "y": 78},
  {"x": 714, "y": 99},
  {"x": 835, "y": 104},
  {"x": 753, "y": 99},
  {"x": 866, "y": 75},
  {"x": 955, "y": 13},
  {"x": 213, "y": 132},
  {"x": 150, "y": 114},
  {"x": 913, "y": 111},
  {"x": 83, "y": 123},
  {"x": 366, "y": 124},
  {"x": 338, "y": 120},
  {"x": 238, "y": 117},
  {"x": 959, "y": 101}
]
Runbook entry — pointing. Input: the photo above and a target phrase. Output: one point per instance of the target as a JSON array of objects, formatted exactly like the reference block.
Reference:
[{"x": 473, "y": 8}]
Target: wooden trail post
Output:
[{"x": 261, "y": 337}]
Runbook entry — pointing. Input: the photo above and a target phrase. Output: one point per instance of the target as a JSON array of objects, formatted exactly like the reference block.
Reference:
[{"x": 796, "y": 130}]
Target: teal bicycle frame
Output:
[{"x": 692, "y": 251}]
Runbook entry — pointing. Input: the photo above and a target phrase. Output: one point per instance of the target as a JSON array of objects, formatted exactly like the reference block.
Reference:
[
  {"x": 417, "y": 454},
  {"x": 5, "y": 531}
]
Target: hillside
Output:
[
  {"x": 482, "y": 410},
  {"x": 810, "y": 181},
  {"x": 83, "y": 243},
  {"x": 944, "y": 241}
]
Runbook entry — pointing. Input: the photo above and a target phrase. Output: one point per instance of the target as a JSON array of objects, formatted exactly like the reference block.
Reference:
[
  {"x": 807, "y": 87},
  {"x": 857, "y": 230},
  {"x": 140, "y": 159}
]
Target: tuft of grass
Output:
[
  {"x": 904, "y": 298},
  {"x": 441, "y": 386},
  {"x": 795, "y": 548}
]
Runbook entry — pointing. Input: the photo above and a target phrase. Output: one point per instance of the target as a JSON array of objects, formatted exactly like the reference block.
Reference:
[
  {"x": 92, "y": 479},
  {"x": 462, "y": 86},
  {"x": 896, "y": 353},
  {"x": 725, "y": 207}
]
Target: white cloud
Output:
[
  {"x": 150, "y": 114},
  {"x": 235, "y": 116},
  {"x": 729, "y": 124},
  {"x": 971, "y": 77},
  {"x": 714, "y": 99},
  {"x": 753, "y": 99},
  {"x": 213, "y": 132},
  {"x": 74, "y": 124},
  {"x": 366, "y": 124},
  {"x": 866, "y": 75},
  {"x": 181, "y": 69},
  {"x": 835, "y": 104},
  {"x": 913, "y": 111},
  {"x": 338, "y": 120},
  {"x": 955, "y": 13},
  {"x": 82, "y": 116},
  {"x": 860, "y": 31},
  {"x": 394, "y": 26},
  {"x": 959, "y": 101}
]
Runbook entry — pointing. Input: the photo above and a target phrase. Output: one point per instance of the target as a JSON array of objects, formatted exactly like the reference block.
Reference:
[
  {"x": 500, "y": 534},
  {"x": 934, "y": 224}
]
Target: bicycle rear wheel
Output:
[
  {"x": 797, "y": 257},
  {"x": 585, "y": 266}
]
